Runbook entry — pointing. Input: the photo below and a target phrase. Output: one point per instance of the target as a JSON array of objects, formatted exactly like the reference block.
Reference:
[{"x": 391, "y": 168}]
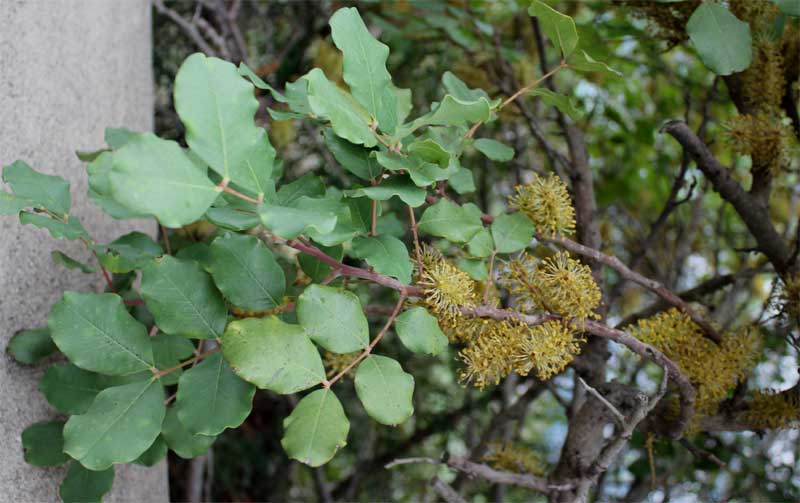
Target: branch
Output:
[
  {"x": 190, "y": 29},
  {"x": 489, "y": 474},
  {"x": 753, "y": 211},
  {"x": 446, "y": 492},
  {"x": 651, "y": 284}
]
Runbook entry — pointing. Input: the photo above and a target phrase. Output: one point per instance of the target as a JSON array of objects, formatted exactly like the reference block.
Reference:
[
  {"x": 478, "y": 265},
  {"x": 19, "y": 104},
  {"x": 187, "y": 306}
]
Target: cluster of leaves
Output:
[{"x": 222, "y": 313}]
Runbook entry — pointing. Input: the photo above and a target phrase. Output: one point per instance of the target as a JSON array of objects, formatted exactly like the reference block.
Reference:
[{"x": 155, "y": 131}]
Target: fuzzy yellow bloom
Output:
[
  {"x": 447, "y": 288},
  {"x": 546, "y": 202},
  {"x": 557, "y": 284},
  {"x": 771, "y": 410},
  {"x": 547, "y": 349},
  {"x": 713, "y": 369},
  {"x": 508, "y": 457}
]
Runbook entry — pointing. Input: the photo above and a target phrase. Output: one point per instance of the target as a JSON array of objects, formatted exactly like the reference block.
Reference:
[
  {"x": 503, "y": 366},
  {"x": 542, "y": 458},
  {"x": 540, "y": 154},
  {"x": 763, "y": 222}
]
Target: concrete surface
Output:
[{"x": 68, "y": 69}]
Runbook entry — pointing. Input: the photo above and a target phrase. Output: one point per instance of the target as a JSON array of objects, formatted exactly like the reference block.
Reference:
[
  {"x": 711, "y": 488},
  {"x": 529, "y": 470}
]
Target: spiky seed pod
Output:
[
  {"x": 546, "y": 202},
  {"x": 547, "y": 349},
  {"x": 772, "y": 410},
  {"x": 508, "y": 457},
  {"x": 446, "y": 287},
  {"x": 557, "y": 284},
  {"x": 336, "y": 362},
  {"x": 713, "y": 369},
  {"x": 764, "y": 138}
]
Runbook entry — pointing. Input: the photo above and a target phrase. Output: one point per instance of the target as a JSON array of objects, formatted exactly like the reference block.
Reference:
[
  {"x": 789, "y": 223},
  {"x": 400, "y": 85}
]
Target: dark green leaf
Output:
[
  {"x": 85, "y": 486},
  {"x": 70, "y": 389},
  {"x": 512, "y": 232},
  {"x": 120, "y": 425},
  {"x": 353, "y": 158},
  {"x": 71, "y": 229},
  {"x": 453, "y": 222},
  {"x": 168, "y": 351},
  {"x": 722, "y": 41},
  {"x": 333, "y": 318},
  {"x": 272, "y": 354},
  {"x": 31, "y": 346},
  {"x": 97, "y": 333},
  {"x": 246, "y": 272},
  {"x": 183, "y": 298},
  {"x": 399, "y": 186},
  {"x": 386, "y": 254},
  {"x": 154, "y": 454},
  {"x": 316, "y": 269},
  {"x": 186, "y": 444},
  {"x": 494, "y": 150},
  {"x": 70, "y": 263},
  {"x": 212, "y": 398},
  {"x": 348, "y": 119},
  {"x": 557, "y": 27},
  {"x": 419, "y": 331},
  {"x": 43, "y": 444},
  {"x": 47, "y": 191},
  {"x": 315, "y": 429},
  {"x": 385, "y": 390}
]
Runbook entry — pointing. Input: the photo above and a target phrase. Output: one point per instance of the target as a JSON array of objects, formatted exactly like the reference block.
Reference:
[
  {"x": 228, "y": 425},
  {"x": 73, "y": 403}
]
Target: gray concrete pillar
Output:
[{"x": 68, "y": 69}]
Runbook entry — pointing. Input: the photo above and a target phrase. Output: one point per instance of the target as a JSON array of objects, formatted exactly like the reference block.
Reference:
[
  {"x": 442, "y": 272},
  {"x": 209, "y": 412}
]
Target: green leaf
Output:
[
  {"x": 309, "y": 185},
  {"x": 31, "y": 346},
  {"x": 272, "y": 354},
  {"x": 99, "y": 171},
  {"x": 512, "y": 232},
  {"x": 423, "y": 173},
  {"x": 256, "y": 172},
  {"x": 11, "y": 204},
  {"x": 419, "y": 331},
  {"x": 183, "y": 299},
  {"x": 117, "y": 137},
  {"x": 217, "y": 107},
  {"x": 315, "y": 429},
  {"x": 474, "y": 267},
  {"x": 154, "y": 453},
  {"x": 120, "y": 425},
  {"x": 212, "y": 398},
  {"x": 557, "y": 27},
  {"x": 561, "y": 102},
  {"x": 333, "y": 318},
  {"x": 246, "y": 272},
  {"x": 316, "y": 269},
  {"x": 197, "y": 252},
  {"x": 722, "y": 41},
  {"x": 97, "y": 333},
  {"x": 364, "y": 66},
  {"x": 71, "y": 229},
  {"x": 346, "y": 116},
  {"x": 131, "y": 251},
  {"x": 790, "y": 7},
  {"x": 354, "y": 158},
  {"x": 168, "y": 351},
  {"x": 456, "y": 87},
  {"x": 186, "y": 444},
  {"x": 450, "y": 112},
  {"x": 453, "y": 222},
  {"x": 481, "y": 244},
  {"x": 70, "y": 389},
  {"x": 399, "y": 186},
  {"x": 386, "y": 254},
  {"x": 580, "y": 61},
  {"x": 385, "y": 390},
  {"x": 462, "y": 181},
  {"x": 289, "y": 222},
  {"x": 85, "y": 486},
  {"x": 332, "y": 204},
  {"x": 154, "y": 176},
  {"x": 70, "y": 263},
  {"x": 43, "y": 444},
  {"x": 233, "y": 217},
  {"x": 51, "y": 192},
  {"x": 430, "y": 151},
  {"x": 494, "y": 150}
]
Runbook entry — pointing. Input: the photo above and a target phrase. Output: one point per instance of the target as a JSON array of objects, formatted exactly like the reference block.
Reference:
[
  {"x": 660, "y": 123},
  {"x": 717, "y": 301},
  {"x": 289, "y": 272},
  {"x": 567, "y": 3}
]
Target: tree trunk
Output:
[{"x": 68, "y": 69}]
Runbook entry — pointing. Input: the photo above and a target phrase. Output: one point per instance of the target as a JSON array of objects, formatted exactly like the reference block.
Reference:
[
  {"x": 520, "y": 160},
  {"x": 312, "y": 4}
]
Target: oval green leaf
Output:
[
  {"x": 246, "y": 272},
  {"x": 333, "y": 318},
  {"x": 419, "y": 331},
  {"x": 315, "y": 429},
  {"x": 385, "y": 390}
]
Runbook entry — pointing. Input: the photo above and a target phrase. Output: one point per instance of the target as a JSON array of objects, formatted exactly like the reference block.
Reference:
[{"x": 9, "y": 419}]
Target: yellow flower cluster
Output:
[
  {"x": 713, "y": 369},
  {"x": 446, "y": 287},
  {"x": 546, "y": 202},
  {"x": 501, "y": 347},
  {"x": 508, "y": 457},
  {"x": 771, "y": 411},
  {"x": 765, "y": 139},
  {"x": 337, "y": 362},
  {"x": 557, "y": 284}
]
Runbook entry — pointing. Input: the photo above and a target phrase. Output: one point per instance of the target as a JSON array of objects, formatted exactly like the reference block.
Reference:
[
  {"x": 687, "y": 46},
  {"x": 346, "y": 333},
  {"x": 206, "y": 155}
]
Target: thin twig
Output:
[
  {"x": 414, "y": 233},
  {"x": 619, "y": 416}
]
